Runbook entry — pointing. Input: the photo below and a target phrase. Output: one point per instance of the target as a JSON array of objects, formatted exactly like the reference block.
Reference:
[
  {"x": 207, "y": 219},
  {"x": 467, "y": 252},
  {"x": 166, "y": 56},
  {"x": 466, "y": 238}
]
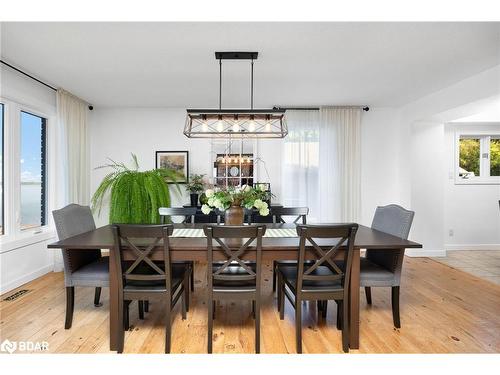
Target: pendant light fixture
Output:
[{"x": 235, "y": 123}]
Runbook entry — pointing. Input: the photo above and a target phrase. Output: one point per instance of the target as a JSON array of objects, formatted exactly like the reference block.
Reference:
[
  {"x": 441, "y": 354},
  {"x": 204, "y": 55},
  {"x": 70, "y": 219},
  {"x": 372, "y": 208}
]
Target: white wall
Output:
[
  {"x": 24, "y": 256},
  {"x": 382, "y": 144},
  {"x": 470, "y": 211}
]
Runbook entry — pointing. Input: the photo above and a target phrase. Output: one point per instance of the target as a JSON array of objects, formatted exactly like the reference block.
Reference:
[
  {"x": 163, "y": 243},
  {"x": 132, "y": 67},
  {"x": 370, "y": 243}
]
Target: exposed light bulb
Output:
[
  {"x": 220, "y": 126},
  {"x": 251, "y": 126},
  {"x": 236, "y": 127},
  {"x": 268, "y": 126},
  {"x": 204, "y": 126}
]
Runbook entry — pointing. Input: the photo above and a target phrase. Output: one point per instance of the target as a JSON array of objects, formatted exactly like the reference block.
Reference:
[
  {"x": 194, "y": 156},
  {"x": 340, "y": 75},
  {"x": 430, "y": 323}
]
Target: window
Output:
[
  {"x": 1, "y": 172},
  {"x": 33, "y": 173},
  {"x": 479, "y": 158}
]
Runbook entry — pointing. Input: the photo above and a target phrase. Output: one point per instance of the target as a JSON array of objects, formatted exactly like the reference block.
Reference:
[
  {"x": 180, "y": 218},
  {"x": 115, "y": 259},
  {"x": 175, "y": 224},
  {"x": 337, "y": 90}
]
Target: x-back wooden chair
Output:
[
  {"x": 143, "y": 278},
  {"x": 234, "y": 278},
  {"x": 278, "y": 213},
  {"x": 321, "y": 280}
]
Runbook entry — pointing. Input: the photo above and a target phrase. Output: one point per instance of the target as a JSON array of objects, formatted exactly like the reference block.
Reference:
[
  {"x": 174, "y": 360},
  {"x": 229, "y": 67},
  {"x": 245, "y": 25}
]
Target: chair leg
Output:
[
  {"x": 274, "y": 275},
  {"x": 339, "y": 315},
  {"x": 126, "y": 315},
  {"x": 253, "y": 309},
  {"x": 141, "y": 309},
  {"x": 168, "y": 326},
  {"x": 192, "y": 276},
  {"x": 184, "y": 302},
  {"x": 210, "y": 324},
  {"x": 368, "y": 293},
  {"x": 97, "y": 297},
  {"x": 395, "y": 306},
  {"x": 298, "y": 325},
  {"x": 187, "y": 283},
  {"x": 345, "y": 327},
  {"x": 324, "y": 308},
  {"x": 122, "y": 307},
  {"x": 257, "y": 324},
  {"x": 146, "y": 306},
  {"x": 70, "y": 306},
  {"x": 281, "y": 299}
]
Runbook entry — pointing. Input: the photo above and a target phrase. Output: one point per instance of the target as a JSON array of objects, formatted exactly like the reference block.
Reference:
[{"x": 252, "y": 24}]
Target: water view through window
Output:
[{"x": 32, "y": 171}]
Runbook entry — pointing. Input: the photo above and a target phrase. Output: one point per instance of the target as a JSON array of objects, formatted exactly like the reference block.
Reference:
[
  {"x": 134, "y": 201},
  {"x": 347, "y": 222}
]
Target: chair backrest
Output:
[
  {"x": 300, "y": 213},
  {"x": 71, "y": 221},
  {"x": 140, "y": 241},
  {"x": 234, "y": 242},
  {"x": 187, "y": 212},
  {"x": 342, "y": 235},
  {"x": 394, "y": 220}
]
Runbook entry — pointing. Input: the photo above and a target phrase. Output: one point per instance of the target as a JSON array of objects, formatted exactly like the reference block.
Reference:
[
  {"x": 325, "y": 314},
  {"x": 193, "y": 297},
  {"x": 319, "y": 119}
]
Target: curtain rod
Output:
[
  {"x": 34, "y": 78},
  {"x": 365, "y": 108}
]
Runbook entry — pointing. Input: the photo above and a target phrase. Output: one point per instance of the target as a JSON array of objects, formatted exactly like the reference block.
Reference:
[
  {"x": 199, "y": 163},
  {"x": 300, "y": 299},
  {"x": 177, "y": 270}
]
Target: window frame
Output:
[
  {"x": 13, "y": 236},
  {"x": 484, "y": 177}
]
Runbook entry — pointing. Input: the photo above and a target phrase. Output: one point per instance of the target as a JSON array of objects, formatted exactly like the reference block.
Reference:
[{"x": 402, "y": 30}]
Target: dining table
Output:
[{"x": 280, "y": 243}]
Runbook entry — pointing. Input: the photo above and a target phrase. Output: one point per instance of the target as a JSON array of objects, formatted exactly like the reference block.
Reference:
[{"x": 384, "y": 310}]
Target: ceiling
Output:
[{"x": 299, "y": 64}]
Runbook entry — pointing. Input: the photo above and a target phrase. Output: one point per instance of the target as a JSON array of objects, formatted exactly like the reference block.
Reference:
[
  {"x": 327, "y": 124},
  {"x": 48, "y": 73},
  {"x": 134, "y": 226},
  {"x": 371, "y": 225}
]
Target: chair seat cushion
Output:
[
  {"x": 234, "y": 270},
  {"x": 289, "y": 274},
  {"x": 178, "y": 274},
  {"x": 370, "y": 271},
  {"x": 95, "y": 271}
]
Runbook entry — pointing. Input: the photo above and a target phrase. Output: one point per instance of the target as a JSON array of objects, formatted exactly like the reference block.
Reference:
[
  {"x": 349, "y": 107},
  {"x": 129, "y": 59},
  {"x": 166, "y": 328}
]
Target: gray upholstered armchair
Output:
[
  {"x": 81, "y": 267},
  {"x": 382, "y": 268}
]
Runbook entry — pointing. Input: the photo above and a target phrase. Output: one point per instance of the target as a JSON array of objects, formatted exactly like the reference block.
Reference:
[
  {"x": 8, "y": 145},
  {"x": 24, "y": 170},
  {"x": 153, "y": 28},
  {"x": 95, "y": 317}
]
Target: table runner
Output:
[{"x": 196, "y": 232}]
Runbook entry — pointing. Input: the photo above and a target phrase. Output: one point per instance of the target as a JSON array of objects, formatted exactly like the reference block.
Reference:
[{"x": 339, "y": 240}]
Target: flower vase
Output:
[{"x": 234, "y": 215}]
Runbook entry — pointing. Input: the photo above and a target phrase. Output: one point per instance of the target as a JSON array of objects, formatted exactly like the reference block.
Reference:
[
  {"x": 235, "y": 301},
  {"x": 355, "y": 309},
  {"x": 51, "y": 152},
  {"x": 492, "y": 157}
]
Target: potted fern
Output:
[
  {"x": 195, "y": 186},
  {"x": 134, "y": 196}
]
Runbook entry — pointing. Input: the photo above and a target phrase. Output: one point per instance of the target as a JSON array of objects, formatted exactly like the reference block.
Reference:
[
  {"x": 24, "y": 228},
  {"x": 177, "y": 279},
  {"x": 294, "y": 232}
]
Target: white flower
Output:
[
  {"x": 209, "y": 193},
  {"x": 218, "y": 203},
  {"x": 245, "y": 188},
  {"x": 263, "y": 205},
  {"x": 211, "y": 201},
  {"x": 258, "y": 204},
  {"x": 205, "y": 209},
  {"x": 264, "y": 211}
]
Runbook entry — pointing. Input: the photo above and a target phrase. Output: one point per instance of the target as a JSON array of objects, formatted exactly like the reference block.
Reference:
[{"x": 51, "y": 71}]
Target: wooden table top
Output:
[{"x": 366, "y": 238}]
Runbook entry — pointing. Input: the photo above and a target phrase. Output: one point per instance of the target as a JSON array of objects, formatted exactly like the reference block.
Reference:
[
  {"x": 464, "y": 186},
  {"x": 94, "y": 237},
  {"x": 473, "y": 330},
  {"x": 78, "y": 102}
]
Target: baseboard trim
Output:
[
  {"x": 7, "y": 287},
  {"x": 472, "y": 247},
  {"x": 416, "y": 253}
]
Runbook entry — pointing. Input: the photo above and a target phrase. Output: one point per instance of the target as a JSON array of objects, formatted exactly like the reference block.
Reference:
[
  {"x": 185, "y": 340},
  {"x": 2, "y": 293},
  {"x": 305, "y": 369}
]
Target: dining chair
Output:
[
  {"x": 189, "y": 214},
  {"x": 234, "y": 278},
  {"x": 277, "y": 213},
  {"x": 143, "y": 278},
  {"x": 382, "y": 268},
  {"x": 81, "y": 267},
  {"x": 322, "y": 279}
]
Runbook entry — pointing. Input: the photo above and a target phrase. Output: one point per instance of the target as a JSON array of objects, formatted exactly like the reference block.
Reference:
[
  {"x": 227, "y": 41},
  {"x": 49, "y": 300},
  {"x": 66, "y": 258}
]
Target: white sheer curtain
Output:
[
  {"x": 72, "y": 125},
  {"x": 321, "y": 163},
  {"x": 301, "y": 162},
  {"x": 340, "y": 164}
]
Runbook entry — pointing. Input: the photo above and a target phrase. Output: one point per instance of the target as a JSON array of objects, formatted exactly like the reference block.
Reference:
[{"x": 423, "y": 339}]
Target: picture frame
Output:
[{"x": 176, "y": 160}]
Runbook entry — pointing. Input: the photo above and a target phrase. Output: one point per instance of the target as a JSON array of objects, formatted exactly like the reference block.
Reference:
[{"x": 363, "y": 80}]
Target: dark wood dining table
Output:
[{"x": 273, "y": 248}]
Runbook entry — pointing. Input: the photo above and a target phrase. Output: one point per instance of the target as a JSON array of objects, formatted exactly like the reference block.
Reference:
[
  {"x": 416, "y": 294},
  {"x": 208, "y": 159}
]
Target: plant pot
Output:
[
  {"x": 194, "y": 199},
  {"x": 234, "y": 215}
]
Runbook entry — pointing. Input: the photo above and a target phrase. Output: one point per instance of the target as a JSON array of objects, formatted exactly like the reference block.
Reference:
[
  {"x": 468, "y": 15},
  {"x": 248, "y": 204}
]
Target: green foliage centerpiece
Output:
[
  {"x": 233, "y": 200},
  {"x": 135, "y": 196}
]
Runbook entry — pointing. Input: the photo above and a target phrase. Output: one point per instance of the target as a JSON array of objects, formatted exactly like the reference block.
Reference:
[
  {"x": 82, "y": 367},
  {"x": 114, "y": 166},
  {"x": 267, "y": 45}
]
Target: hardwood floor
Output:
[
  {"x": 443, "y": 310},
  {"x": 481, "y": 263}
]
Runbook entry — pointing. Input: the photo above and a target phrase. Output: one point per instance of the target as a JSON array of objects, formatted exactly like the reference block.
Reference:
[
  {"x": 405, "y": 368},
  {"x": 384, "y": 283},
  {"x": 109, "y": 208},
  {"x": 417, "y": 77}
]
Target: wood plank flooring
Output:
[{"x": 443, "y": 310}]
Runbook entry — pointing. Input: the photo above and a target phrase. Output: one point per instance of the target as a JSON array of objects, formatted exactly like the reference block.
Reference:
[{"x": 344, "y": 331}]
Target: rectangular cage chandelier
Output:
[{"x": 235, "y": 123}]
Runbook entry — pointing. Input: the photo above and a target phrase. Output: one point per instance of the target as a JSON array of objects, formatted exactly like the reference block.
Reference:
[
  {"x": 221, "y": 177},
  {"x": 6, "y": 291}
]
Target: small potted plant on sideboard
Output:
[{"x": 195, "y": 186}]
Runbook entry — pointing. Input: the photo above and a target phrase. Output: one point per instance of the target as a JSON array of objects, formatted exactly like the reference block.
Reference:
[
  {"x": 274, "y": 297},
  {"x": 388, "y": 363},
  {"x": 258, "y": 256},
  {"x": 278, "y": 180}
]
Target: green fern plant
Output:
[{"x": 134, "y": 196}]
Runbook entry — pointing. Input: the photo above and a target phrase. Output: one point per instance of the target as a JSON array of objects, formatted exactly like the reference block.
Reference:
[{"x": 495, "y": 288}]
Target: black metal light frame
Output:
[{"x": 235, "y": 123}]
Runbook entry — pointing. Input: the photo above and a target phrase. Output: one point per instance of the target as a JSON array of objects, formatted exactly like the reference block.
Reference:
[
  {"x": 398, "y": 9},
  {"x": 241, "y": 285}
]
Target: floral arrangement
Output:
[{"x": 244, "y": 196}]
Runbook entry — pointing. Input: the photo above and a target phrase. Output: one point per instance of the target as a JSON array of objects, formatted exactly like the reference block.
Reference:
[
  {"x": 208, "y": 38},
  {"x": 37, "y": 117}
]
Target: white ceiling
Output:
[{"x": 300, "y": 64}]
